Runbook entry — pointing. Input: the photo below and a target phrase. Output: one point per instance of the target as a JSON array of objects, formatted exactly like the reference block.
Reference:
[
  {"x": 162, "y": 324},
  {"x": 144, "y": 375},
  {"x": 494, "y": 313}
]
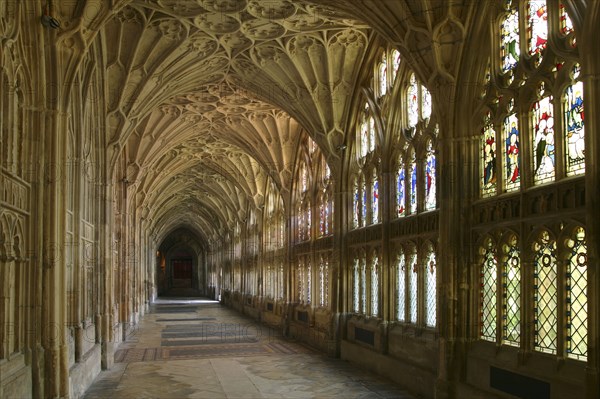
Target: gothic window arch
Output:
[
  {"x": 375, "y": 273},
  {"x": 323, "y": 280},
  {"x": 359, "y": 282},
  {"x": 430, "y": 285},
  {"x": 401, "y": 187},
  {"x": 325, "y": 199},
  {"x": 544, "y": 75},
  {"x": 386, "y": 70}
]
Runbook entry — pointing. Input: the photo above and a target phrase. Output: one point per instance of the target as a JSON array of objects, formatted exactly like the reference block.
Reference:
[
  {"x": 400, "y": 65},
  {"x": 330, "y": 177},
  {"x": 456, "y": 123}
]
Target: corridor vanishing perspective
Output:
[
  {"x": 410, "y": 187},
  {"x": 199, "y": 349}
]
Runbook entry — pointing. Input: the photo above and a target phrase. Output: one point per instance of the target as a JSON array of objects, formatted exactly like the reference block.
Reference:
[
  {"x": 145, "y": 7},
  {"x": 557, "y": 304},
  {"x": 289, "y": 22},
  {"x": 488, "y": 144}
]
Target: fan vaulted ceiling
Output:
[{"x": 208, "y": 98}]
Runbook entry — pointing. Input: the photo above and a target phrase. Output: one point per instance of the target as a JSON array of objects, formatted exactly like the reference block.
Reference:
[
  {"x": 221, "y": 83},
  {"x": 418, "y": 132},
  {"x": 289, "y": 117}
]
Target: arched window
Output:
[
  {"x": 383, "y": 75},
  {"x": 576, "y": 296},
  {"x": 511, "y": 293},
  {"x": 363, "y": 283},
  {"x": 375, "y": 284},
  {"x": 545, "y": 294},
  {"x": 366, "y": 133},
  {"x": 430, "y": 274},
  {"x": 375, "y": 198},
  {"x": 488, "y": 159},
  {"x": 324, "y": 281},
  {"x": 360, "y": 282},
  {"x": 395, "y": 63},
  {"x": 412, "y": 170},
  {"x": 325, "y": 200},
  {"x": 401, "y": 286},
  {"x": 542, "y": 121},
  {"x": 412, "y": 101},
  {"x": 356, "y": 285},
  {"x": 515, "y": 75},
  {"x": 574, "y": 129},
  {"x": 488, "y": 283},
  {"x": 401, "y": 187},
  {"x": 413, "y": 287},
  {"x": 356, "y": 203},
  {"x": 430, "y": 177}
]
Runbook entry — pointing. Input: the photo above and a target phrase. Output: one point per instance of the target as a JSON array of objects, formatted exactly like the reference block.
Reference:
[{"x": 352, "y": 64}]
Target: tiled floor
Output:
[{"x": 198, "y": 349}]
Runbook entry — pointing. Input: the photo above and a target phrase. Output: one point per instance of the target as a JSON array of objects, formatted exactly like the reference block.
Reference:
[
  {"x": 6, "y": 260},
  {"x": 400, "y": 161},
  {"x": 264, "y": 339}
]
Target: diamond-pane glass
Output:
[
  {"x": 488, "y": 164},
  {"x": 375, "y": 286},
  {"x": 509, "y": 37},
  {"x": 488, "y": 294},
  {"x": 401, "y": 288},
  {"x": 511, "y": 295},
  {"x": 512, "y": 174},
  {"x": 356, "y": 293},
  {"x": 431, "y": 289},
  {"x": 537, "y": 26},
  {"x": 544, "y": 149},
  {"x": 545, "y": 295},
  {"x": 577, "y": 315},
  {"x": 575, "y": 143},
  {"x": 430, "y": 178},
  {"x": 412, "y": 272},
  {"x": 363, "y": 285}
]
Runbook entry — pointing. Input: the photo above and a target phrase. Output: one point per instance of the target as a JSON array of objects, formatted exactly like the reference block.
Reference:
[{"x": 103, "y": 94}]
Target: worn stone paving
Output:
[{"x": 187, "y": 348}]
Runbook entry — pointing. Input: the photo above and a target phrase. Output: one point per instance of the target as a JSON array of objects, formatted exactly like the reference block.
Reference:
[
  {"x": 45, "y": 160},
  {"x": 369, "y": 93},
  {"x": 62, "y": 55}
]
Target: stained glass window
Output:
[
  {"x": 412, "y": 101},
  {"x": 401, "y": 287},
  {"x": 395, "y": 62},
  {"x": 413, "y": 182},
  {"x": 308, "y": 281},
  {"x": 576, "y": 320},
  {"x": 323, "y": 214},
  {"x": 425, "y": 103},
  {"x": 574, "y": 128},
  {"x": 545, "y": 294},
  {"x": 401, "y": 188},
  {"x": 488, "y": 292},
  {"x": 375, "y": 199},
  {"x": 566, "y": 25},
  {"x": 383, "y": 75},
  {"x": 510, "y": 129},
  {"x": 324, "y": 282},
  {"x": 356, "y": 293},
  {"x": 544, "y": 150},
  {"x": 365, "y": 193},
  {"x": 509, "y": 38},
  {"x": 356, "y": 205},
  {"x": 488, "y": 164},
  {"x": 430, "y": 178},
  {"x": 375, "y": 285},
  {"x": 413, "y": 288},
  {"x": 430, "y": 288},
  {"x": 537, "y": 26},
  {"x": 511, "y": 293},
  {"x": 300, "y": 281}
]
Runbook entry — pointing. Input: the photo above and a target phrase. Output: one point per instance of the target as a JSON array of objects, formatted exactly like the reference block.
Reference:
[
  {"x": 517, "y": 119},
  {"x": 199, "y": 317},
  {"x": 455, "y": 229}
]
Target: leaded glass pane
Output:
[
  {"x": 488, "y": 164},
  {"x": 537, "y": 21},
  {"x": 511, "y": 294},
  {"x": 300, "y": 280},
  {"x": 383, "y": 75},
  {"x": 323, "y": 216},
  {"x": 577, "y": 315},
  {"x": 363, "y": 285},
  {"x": 371, "y": 134},
  {"x": 575, "y": 144},
  {"x": 413, "y": 288},
  {"x": 395, "y": 62},
  {"x": 322, "y": 283},
  {"x": 430, "y": 178},
  {"x": 356, "y": 293},
  {"x": 401, "y": 288},
  {"x": 545, "y": 295},
  {"x": 356, "y": 205},
  {"x": 413, "y": 183},
  {"x": 375, "y": 199},
  {"x": 544, "y": 149},
  {"x": 308, "y": 282},
  {"x": 510, "y": 130},
  {"x": 364, "y": 136},
  {"x": 488, "y": 277},
  {"x": 365, "y": 193},
  {"x": 509, "y": 38},
  {"x": 401, "y": 189},
  {"x": 425, "y": 103},
  {"x": 375, "y": 286},
  {"x": 431, "y": 289},
  {"x": 566, "y": 25},
  {"x": 412, "y": 99}
]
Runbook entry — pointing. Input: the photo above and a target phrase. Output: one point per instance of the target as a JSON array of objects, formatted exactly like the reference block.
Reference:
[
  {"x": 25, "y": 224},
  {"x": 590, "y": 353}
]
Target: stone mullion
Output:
[{"x": 588, "y": 43}]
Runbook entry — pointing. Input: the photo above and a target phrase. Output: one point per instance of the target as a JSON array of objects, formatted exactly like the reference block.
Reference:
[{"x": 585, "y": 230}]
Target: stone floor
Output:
[{"x": 187, "y": 348}]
